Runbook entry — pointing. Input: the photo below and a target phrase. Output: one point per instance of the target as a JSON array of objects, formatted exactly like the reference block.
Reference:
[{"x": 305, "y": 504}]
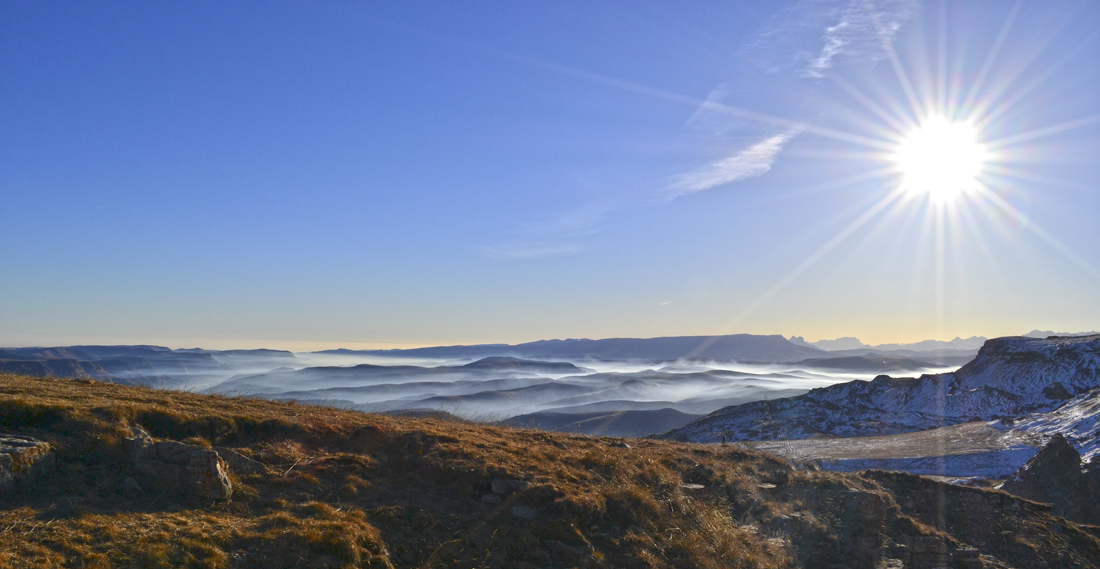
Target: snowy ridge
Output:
[
  {"x": 1078, "y": 420},
  {"x": 1010, "y": 377}
]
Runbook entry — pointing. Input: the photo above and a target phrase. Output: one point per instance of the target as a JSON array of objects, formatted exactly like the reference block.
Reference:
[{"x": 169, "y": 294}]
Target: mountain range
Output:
[
  {"x": 745, "y": 348},
  {"x": 1027, "y": 388}
]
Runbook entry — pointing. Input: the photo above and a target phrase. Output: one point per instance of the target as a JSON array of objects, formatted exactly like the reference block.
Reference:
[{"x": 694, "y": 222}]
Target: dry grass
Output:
[{"x": 347, "y": 489}]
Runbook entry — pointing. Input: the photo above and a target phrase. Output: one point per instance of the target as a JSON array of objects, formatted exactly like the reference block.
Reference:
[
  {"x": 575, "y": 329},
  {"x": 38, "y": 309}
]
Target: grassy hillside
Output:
[{"x": 346, "y": 489}]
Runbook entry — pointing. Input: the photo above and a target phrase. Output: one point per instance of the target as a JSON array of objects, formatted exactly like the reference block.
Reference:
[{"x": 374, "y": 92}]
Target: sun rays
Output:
[{"x": 944, "y": 166}]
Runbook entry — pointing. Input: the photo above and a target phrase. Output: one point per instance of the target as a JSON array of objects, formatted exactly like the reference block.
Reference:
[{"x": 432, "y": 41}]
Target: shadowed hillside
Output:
[{"x": 320, "y": 487}]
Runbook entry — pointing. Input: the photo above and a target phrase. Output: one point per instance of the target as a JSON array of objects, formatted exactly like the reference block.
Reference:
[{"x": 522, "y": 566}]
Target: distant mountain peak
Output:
[
  {"x": 1048, "y": 334},
  {"x": 845, "y": 343}
]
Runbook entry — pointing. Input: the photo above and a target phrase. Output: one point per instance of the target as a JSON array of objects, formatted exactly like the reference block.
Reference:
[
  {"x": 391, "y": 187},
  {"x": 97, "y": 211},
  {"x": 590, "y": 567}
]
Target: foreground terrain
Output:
[{"x": 319, "y": 487}]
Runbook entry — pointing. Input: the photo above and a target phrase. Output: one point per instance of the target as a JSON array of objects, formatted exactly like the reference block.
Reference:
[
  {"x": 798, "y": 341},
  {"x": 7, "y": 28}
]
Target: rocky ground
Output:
[{"x": 316, "y": 487}]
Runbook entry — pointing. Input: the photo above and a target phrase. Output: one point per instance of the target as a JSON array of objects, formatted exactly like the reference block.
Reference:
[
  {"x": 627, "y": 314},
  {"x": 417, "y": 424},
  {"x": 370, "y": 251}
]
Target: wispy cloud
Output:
[
  {"x": 799, "y": 47},
  {"x": 584, "y": 220},
  {"x": 863, "y": 28},
  {"x": 835, "y": 39},
  {"x": 807, "y": 38},
  {"x": 801, "y": 44},
  {"x": 517, "y": 251},
  {"x": 747, "y": 163}
]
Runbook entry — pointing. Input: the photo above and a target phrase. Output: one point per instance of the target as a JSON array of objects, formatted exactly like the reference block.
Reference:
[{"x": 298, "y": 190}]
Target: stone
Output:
[
  {"x": 178, "y": 467},
  {"x": 618, "y": 444},
  {"x": 131, "y": 488},
  {"x": 967, "y": 553},
  {"x": 23, "y": 460},
  {"x": 505, "y": 486},
  {"x": 492, "y": 498},
  {"x": 525, "y": 512}
]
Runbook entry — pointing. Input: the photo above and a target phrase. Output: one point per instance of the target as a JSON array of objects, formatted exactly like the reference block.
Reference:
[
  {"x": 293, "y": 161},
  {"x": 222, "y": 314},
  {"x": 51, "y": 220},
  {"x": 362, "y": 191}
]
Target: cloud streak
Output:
[
  {"x": 747, "y": 163},
  {"x": 807, "y": 39},
  {"x": 863, "y": 29},
  {"x": 802, "y": 43}
]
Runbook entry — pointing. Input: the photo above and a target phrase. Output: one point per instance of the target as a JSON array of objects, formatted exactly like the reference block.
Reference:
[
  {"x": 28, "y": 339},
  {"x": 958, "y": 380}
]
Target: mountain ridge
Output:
[
  {"x": 743, "y": 348},
  {"x": 1010, "y": 377}
]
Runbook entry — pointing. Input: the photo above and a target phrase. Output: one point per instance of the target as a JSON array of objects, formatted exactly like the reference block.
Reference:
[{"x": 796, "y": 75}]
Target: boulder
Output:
[
  {"x": 178, "y": 467},
  {"x": 524, "y": 512},
  {"x": 131, "y": 488},
  {"x": 505, "y": 486},
  {"x": 1053, "y": 476},
  {"x": 23, "y": 459}
]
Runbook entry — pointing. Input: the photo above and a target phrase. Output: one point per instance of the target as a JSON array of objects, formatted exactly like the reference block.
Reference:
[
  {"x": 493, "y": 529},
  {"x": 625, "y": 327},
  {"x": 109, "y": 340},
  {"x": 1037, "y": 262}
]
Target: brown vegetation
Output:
[{"x": 346, "y": 489}]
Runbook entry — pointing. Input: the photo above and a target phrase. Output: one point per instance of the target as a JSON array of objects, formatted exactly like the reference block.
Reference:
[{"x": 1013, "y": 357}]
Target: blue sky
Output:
[{"x": 310, "y": 175}]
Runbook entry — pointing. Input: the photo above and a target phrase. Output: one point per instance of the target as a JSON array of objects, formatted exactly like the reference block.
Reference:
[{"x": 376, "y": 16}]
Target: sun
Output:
[{"x": 940, "y": 159}]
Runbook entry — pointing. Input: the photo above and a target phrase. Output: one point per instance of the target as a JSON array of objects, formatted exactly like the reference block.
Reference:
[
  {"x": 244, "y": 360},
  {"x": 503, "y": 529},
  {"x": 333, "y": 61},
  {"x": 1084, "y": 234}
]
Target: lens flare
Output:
[{"x": 941, "y": 159}]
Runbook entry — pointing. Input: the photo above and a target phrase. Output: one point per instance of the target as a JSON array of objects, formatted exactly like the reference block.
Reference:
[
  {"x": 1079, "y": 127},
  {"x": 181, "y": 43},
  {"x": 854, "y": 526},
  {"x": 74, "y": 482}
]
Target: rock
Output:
[
  {"x": 1053, "y": 476},
  {"x": 23, "y": 460},
  {"x": 505, "y": 486},
  {"x": 525, "y": 512},
  {"x": 927, "y": 544},
  {"x": 131, "y": 488},
  {"x": 239, "y": 462},
  {"x": 492, "y": 498},
  {"x": 929, "y": 552},
  {"x": 618, "y": 444},
  {"x": 1057, "y": 391},
  {"x": 967, "y": 553},
  {"x": 968, "y": 558},
  {"x": 178, "y": 467}
]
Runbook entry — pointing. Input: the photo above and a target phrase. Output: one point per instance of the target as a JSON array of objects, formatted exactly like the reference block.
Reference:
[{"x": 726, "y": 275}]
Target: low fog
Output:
[{"x": 489, "y": 383}]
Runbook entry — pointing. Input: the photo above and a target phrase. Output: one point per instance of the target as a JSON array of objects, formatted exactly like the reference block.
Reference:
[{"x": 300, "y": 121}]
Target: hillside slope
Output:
[
  {"x": 1010, "y": 377},
  {"x": 331, "y": 488}
]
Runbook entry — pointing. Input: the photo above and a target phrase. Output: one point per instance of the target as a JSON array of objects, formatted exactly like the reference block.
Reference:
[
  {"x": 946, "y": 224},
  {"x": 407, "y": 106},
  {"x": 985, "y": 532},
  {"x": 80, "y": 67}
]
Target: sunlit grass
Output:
[{"x": 346, "y": 489}]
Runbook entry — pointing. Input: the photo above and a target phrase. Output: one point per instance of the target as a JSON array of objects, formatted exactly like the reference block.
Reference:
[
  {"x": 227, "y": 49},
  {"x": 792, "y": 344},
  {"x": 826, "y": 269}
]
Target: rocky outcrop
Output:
[
  {"x": 502, "y": 487},
  {"x": 23, "y": 459},
  {"x": 1055, "y": 476},
  {"x": 178, "y": 467}
]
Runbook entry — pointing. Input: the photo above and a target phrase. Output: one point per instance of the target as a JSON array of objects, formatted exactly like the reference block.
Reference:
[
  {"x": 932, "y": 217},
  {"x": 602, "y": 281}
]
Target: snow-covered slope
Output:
[
  {"x": 1078, "y": 420},
  {"x": 1010, "y": 377}
]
